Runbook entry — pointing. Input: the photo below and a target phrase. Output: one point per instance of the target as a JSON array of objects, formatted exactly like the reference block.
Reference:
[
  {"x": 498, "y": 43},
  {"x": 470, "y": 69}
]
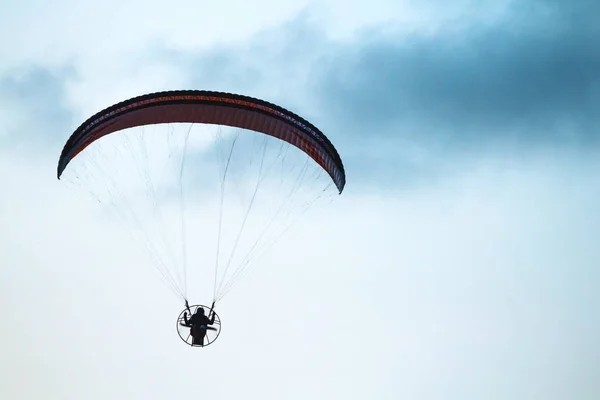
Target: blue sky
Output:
[{"x": 460, "y": 262}]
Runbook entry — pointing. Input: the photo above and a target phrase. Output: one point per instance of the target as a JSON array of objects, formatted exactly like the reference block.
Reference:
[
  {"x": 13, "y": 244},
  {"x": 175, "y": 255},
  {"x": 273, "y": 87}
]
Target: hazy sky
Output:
[{"x": 461, "y": 262}]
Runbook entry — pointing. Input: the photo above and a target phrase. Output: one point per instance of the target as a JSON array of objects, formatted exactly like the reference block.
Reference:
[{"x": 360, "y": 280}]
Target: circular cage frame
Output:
[{"x": 184, "y": 331}]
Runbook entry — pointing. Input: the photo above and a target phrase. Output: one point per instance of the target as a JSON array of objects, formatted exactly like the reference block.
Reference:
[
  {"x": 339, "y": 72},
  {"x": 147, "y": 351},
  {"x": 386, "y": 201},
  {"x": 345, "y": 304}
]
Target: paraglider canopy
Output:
[{"x": 198, "y": 106}]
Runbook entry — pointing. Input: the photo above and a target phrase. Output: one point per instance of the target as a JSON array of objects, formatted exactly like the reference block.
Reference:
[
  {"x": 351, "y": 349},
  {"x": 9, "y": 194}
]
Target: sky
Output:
[{"x": 460, "y": 262}]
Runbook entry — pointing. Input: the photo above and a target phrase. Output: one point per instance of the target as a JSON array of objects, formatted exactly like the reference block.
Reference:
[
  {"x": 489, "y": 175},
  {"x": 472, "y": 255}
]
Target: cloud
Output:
[
  {"x": 405, "y": 106},
  {"x": 532, "y": 78}
]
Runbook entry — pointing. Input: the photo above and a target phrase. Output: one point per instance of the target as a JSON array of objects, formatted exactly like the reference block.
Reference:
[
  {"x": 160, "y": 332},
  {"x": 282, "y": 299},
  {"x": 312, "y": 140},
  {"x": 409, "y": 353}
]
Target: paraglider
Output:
[
  {"x": 249, "y": 117},
  {"x": 199, "y": 324}
]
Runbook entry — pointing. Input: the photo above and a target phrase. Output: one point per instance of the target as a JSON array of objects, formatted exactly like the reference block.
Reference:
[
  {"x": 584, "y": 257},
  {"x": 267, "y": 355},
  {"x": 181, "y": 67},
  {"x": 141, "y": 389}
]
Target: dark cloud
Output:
[
  {"x": 533, "y": 77},
  {"x": 402, "y": 106}
]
